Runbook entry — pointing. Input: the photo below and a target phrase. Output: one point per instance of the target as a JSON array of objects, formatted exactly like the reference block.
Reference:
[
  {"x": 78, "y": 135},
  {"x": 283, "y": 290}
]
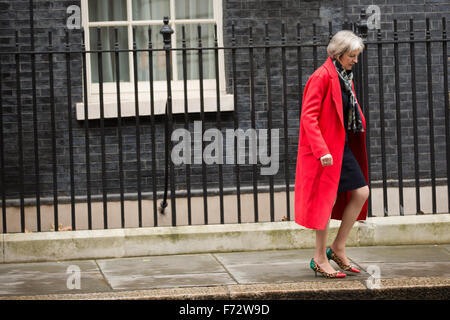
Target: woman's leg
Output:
[
  {"x": 351, "y": 212},
  {"x": 321, "y": 246}
]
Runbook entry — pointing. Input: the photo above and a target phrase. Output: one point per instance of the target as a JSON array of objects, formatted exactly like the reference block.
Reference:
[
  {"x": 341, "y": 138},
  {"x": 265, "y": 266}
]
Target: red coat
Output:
[{"x": 322, "y": 131}]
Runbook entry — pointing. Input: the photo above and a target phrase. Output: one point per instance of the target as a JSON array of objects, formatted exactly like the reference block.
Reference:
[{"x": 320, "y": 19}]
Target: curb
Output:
[
  {"x": 396, "y": 288},
  {"x": 117, "y": 243}
]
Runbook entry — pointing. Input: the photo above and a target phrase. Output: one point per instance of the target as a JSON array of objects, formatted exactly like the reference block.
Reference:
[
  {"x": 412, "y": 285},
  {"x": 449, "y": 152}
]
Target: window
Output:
[{"x": 101, "y": 18}]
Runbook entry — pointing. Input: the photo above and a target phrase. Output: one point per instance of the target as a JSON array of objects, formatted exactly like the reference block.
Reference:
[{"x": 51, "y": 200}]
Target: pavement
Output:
[{"x": 388, "y": 272}]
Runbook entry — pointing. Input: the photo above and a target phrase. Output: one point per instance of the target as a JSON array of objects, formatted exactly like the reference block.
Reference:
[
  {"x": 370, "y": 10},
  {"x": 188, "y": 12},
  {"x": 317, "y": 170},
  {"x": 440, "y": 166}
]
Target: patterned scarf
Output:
[{"x": 354, "y": 117}]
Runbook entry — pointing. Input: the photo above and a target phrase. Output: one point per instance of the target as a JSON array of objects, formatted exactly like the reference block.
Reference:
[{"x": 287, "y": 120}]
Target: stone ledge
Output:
[{"x": 115, "y": 243}]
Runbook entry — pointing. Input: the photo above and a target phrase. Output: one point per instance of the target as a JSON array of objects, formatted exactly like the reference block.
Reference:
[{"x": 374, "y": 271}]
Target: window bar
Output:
[
  {"x": 381, "y": 101},
  {"x": 138, "y": 129},
  {"x": 430, "y": 114},
  {"x": 269, "y": 114},
  {"x": 86, "y": 130},
  {"x": 285, "y": 113},
  {"x": 219, "y": 125},
  {"x": 414, "y": 109},
  {"x": 447, "y": 115},
  {"x": 35, "y": 120},
  {"x": 236, "y": 121},
  {"x": 102, "y": 127},
  {"x": 152, "y": 128},
  {"x": 398, "y": 118},
  {"x": 252, "y": 153},
  {"x": 119, "y": 127},
  {"x": 186, "y": 120},
  {"x": 202, "y": 116},
  {"x": 53, "y": 110},
  {"x": 2, "y": 156},
  {"x": 69, "y": 120}
]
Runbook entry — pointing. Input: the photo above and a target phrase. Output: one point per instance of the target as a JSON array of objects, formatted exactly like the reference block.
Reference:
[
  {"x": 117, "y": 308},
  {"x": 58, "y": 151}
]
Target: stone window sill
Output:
[{"x": 128, "y": 105}]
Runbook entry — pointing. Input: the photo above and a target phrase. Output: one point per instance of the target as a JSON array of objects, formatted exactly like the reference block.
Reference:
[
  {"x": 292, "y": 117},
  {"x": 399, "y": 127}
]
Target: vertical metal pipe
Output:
[
  {"x": 383, "y": 138},
  {"x": 2, "y": 157},
  {"x": 138, "y": 129},
  {"x": 186, "y": 120},
  {"x": 446, "y": 103},
  {"x": 366, "y": 111},
  {"x": 19, "y": 133},
  {"x": 53, "y": 111},
  {"x": 152, "y": 126},
  {"x": 236, "y": 120},
  {"x": 299, "y": 69},
  {"x": 314, "y": 46},
  {"x": 102, "y": 128},
  {"x": 267, "y": 62},
  {"x": 53, "y": 125},
  {"x": 35, "y": 120},
  {"x": 219, "y": 124},
  {"x": 430, "y": 115},
  {"x": 167, "y": 31},
  {"x": 69, "y": 120},
  {"x": 285, "y": 114},
  {"x": 202, "y": 116},
  {"x": 119, "y": 127},
  {"x": 330, "y": 30},
  {"x": 399, "y": 122},
  {"x": 86, "y": 130},
  {"x": 252, "y": 120},
  {"x": 414, "y": 109}
]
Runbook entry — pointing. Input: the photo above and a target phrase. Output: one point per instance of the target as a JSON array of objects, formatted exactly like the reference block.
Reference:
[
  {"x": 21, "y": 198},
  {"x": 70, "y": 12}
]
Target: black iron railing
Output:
[{"x": 16, "y": 191}]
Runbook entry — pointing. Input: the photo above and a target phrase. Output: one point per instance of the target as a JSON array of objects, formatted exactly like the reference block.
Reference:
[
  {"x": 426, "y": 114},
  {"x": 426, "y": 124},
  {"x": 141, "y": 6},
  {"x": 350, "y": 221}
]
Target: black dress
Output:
[{"x": 351, "y": 174}]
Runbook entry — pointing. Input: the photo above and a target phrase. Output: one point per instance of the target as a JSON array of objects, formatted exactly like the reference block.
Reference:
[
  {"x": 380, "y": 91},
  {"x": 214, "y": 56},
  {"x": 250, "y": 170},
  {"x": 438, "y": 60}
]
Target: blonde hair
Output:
[{"x": 344, "y": 41}]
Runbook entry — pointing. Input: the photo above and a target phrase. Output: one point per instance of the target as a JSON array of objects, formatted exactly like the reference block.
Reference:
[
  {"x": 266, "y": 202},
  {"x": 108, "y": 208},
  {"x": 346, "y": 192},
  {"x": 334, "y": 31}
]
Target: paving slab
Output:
[
  {"x": 279, "y": 273},
  {"x": 164, "y": 271},
  {"x": 50, "y": 278},
  {"x": 273, "y": 266},
  {"x": 263, "y": 257},
  {"x": 419, "y": 253},
  {"x": 409, "y": 269}
]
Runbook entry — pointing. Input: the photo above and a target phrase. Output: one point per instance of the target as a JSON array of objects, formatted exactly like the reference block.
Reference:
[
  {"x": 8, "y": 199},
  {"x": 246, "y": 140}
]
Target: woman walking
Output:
[{"x": 332, "y": 169}]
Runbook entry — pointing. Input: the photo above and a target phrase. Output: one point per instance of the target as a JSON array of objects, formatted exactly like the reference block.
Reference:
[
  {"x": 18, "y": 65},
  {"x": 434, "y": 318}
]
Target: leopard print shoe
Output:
[
  {"x": 316, "y": 268},
  {"x": 346, "y": 267}
]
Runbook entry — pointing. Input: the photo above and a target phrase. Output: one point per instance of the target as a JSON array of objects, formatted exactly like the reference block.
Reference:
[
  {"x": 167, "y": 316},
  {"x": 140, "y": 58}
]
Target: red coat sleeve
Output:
[{"x": 314, "y": 94}]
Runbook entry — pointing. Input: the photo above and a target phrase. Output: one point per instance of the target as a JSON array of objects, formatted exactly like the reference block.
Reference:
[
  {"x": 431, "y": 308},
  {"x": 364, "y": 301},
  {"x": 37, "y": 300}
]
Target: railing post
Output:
[
  {"x": 363, "y": 33},
  {"x": 167, "y": 31}
]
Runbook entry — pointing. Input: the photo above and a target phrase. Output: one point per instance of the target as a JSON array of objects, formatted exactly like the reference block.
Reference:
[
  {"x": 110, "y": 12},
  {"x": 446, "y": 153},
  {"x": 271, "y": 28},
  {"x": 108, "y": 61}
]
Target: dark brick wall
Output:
[{"x": 51, "y": 16}]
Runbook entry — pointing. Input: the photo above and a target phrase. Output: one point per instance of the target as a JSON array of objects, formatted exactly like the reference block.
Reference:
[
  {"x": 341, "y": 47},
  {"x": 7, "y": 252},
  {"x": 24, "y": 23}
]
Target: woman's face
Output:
[{"x": 348, "y": 59}]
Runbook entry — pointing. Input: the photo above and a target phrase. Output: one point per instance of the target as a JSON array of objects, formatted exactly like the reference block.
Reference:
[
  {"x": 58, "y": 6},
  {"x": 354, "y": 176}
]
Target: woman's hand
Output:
[{"x": 326, "y": 160}]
